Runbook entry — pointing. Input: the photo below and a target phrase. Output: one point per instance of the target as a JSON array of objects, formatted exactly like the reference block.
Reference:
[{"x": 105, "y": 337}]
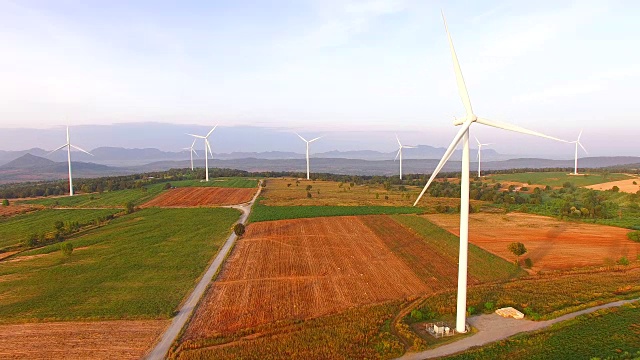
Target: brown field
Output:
[
  {"x": 305, "y": 268},
  {"x": 624, "y": 185},
  {"x": 15, "y": 209},
  {"x": 277, "y": 193},
  {"x": 201, "y": 196},
  {"x": 80, "y": 340},
  {"x": 551, "y": 244}
]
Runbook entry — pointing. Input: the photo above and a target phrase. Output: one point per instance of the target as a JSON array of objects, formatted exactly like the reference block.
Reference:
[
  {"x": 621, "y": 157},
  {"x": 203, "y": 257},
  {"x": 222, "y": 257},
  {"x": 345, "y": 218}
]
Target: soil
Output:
[
  {"x": 303, "y": 268},
  {"x": 201, "y": 196},
  {"x": 624, "y": 185},
  {"x": 551, "y": 243},
  {"x": 15, "y": 209},
  {"x": 79, "y": 340}
]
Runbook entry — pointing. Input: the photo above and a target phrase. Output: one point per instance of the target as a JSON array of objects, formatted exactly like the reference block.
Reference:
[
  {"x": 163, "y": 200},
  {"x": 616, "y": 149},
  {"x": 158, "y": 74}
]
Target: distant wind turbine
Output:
[
  {"x": 577, "y": 142},
  {"x": 191, "y": 152},
  {"x": 207, "y": 147},
  {"x": 308, "y": 142},
  {"x": 463, "y": 135},
  {"x": 69, "y": 146},
  {"x": 400, "y": 147},
  {"x": 480, "y": 153}
]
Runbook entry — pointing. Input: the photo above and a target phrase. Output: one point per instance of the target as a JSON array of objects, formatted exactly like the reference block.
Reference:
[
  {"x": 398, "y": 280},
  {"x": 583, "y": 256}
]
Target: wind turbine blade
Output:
[
  {"x": 515, "y": 128},
  {"x": 446, "y": 157},
  {"x": 209, "y": 133},
  {"x": 487, "y": 144},
  {"x": 303, "y": 139},
  {"x": 399, "y": 143},
  {"x": 478, "y": 141},
  {"x": 209, "y": 147},
  {"x": 585, "y": 150},
  {"x": 397, "y": 154},
  {"x": 579, "y": 136},
  {"x": 197, "y": 136},
  {"x": 409, "y": 147},
  {"x": 312, "y": 140},
  {"x": 195, "y": 152},
  {"x": 462, "y": 88},
  {"x": 193, "y": 143},
  {"x": 61, "y": 147},
  {"x": 84, "y": 151}
]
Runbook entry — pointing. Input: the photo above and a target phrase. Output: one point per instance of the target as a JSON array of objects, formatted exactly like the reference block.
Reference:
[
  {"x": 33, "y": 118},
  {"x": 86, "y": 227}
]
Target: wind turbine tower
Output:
[
  {"x": 577, "y": 142},
  {"x": 191, "y": 152},
  {"x": 480, "y": 153},
  {"x": 400, "y": 147},
  {"x": 308, "y": 142},
  {"x": 69, "y": 146},
  {"x": 207, "y": 147},
  {"x": 463, "y": 135}
]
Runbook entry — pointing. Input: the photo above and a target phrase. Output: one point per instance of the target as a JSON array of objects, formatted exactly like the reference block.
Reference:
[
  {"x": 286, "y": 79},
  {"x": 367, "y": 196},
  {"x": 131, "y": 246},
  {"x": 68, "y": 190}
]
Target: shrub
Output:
[
  {"x": 167, "y": 186},
  {"x": 528, "y": 263},
  {"x": 309, "y": 187},
  {"x": 417, "y": 315},
  {"x": 129, "y": 207},
  {"x": 623, "y": 261},
  {"x": 5, "y": 202},
  {"x": 67, "y": 248},
  {"x": 239, "y": 229},
  {"x": 635, "y": 183},
  {"x": 308, "y": 195},
  {"x": 615, "y": 189},
  {"x": 386, "y": 197},
  {"x": 471, "y": 310},
  {"x": 634, "y": 236},
  {"x": 489, "y": 306}
]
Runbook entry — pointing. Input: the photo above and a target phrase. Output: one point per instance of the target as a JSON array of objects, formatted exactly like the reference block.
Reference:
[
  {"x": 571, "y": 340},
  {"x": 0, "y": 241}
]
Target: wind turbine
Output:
[
  {"x": 308, "y": 142},
  {"x": 479, "y": 153},
  {"x": 69, "y": 146},
  {"x": 191, "y": 152},
  {"x": 577, "y": 142},
  {"x": 207, "y": 147},
  {"x": 400, "y": 147},
  {"x": 463, "y": 135}
]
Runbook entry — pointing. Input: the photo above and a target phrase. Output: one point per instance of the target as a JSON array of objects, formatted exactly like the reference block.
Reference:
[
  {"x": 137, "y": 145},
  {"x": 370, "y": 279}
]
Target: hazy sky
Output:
[{"x": 553, "y": 66}]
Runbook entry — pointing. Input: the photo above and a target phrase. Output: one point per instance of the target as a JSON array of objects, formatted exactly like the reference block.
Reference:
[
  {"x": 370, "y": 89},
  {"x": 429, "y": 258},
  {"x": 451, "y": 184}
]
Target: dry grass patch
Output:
[{"x": 627, "y": 185}]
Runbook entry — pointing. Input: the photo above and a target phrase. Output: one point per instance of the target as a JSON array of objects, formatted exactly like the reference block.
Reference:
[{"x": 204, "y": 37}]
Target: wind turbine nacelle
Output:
[{"x": 462, "y": 120}]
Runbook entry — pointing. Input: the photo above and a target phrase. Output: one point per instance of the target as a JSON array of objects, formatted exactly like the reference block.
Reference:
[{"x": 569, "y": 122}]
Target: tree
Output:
[
  {"x": 239, "y": 229},
  {"x": 129, "y": 207},
  {"x": 309, "y": 187},
  {"x": 517, "y": 248},
  {"x": 67, "y": 248},
  {"x": 5, "y": 202}
]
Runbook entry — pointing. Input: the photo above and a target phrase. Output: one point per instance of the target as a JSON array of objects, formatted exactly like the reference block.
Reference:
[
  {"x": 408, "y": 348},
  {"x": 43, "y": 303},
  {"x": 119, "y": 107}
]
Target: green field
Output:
[
  {"x": 483, "y": 265},
  {"x": 138, "y": 266},
  {"x": 607, "y": 334},
  {"x": 268, "y": 213},
  {"x": 109, "y": 199},
  {"x": 557, "y": 178},
  {"x": 15, "y": 229},
  {"x": 218, "y": 182}
]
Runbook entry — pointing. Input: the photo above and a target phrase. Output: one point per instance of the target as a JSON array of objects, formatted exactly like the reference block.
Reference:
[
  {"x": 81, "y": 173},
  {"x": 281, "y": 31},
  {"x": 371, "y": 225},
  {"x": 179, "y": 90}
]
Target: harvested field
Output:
[
  {"x": 201, "y": 196},
  {"x": 304, "y": 268},
  {"x": 627, "y": 185},
  {"x": 79, "y": 340},
  {"x": 15, "y": 209},
  {"x": 551, "y": 244}
]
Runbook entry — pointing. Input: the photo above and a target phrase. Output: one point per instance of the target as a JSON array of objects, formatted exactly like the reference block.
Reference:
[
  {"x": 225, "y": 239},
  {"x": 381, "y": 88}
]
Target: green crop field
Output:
[
  {"x": 483, "y": 265},
  {"x": 607, "y": 334},
  {"x": 217, "y": 182},
  {"x": 557, "y": 178},
  {"x": 140, "y": 265},
  {"x": 268, "y": 213},
  {"x": 109, "y": 199},
  {"x": 15, "y": 229}
]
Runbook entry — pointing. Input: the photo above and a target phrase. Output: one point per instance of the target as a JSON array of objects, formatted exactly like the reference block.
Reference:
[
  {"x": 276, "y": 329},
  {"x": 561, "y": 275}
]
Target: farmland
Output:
[
  {"x": 629, "y": 185},
  {"x": 556, "y": 179},
  {"x": 79, "y": 340},
  {"x": 139, "y": 266},
  {"x": 108, "y": 199},
  {"x": 217, "y": 182},
  {"x": 13, "y": 209},
  {"x": 610, "y": 333},
  {"x": 299, "y": 269},
  {"x": 18, "y": 228},
  {"x": 201, "y": 196},
  {"x": 551, "y": 244}
]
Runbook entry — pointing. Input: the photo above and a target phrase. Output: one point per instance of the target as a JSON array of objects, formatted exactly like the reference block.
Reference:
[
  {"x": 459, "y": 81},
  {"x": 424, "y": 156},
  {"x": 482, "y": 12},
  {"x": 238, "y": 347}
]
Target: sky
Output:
[{"x": 319, "y": 66}]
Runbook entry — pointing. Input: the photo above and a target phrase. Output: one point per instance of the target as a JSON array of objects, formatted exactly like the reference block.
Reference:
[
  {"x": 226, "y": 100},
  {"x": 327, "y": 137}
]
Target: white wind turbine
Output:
[
  {"x": 400, "y": 147},
  {"x": 308, "y": 142},
  {"x": 69, "y": 146},
  {"x": 192, "y": 151},
  {"x": 207, "y": 147},
  {"x": 463, "y": 134},
  {"x": 480, "y": 153},
  {"x": 577, "y": 142}
]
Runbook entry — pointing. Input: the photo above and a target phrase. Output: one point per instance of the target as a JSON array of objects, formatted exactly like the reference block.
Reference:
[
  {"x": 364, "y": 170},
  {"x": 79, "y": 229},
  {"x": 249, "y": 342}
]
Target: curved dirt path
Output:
[
  {"x": 161, "y": 349},
  {"x": 493, "y": 327}
]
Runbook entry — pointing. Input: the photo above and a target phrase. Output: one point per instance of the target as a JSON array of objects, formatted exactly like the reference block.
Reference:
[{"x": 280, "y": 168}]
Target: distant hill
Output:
[{"x": 28, "y": 161}]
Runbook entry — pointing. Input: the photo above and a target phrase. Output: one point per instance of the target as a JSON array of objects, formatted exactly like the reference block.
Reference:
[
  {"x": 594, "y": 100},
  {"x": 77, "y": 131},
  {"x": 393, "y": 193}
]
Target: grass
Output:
[
  {"x": 609, "y": 334},
  {"x": 217, "y": 182},
  {"x": 268, "y": 213},
  {"x": 138, "y": 266},
  {"x": 557, "y": 178},
  {"x": 109, "y": 199},
  {"x": 15, "y": 229},
  {"x": 483, "y": 265}
]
